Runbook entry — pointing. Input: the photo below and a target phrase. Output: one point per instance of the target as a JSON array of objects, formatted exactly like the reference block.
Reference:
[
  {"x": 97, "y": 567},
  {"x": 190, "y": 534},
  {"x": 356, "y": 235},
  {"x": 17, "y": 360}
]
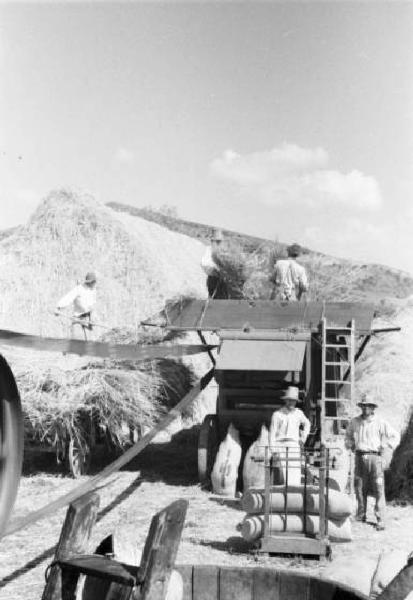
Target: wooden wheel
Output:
[
  {"x": 11, "y": 441},
  {"x": 78, "y": 458},
  {"x": 207, "y": 447}
]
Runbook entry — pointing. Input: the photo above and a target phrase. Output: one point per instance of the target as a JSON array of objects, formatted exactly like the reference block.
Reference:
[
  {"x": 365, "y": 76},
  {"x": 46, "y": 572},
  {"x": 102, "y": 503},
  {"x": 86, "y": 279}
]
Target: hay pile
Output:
[
  {"x": 386, "y": 371},
  {"x": 400, "y": 481},
  {"x": 232, "y": 262},
  {"x": 60, "y": 404},
  {"x": 139, "y": 264},
  {"x": 386, "y": 368}
]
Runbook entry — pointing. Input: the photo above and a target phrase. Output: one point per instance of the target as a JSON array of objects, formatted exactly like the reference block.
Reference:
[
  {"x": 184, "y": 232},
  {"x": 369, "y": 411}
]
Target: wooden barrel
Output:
[{"x": 203, "y": 582}]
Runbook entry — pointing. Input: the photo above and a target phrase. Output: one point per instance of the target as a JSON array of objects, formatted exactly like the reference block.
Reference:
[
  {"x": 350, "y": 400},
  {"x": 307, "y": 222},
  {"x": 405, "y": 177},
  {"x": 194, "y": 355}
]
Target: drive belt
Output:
[{"x": 100, "y": 349}]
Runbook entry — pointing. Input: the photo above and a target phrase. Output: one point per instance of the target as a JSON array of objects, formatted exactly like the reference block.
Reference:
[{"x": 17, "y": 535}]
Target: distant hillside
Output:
[
  {"x": 196, "y": 230},
  {"x": 331, "y": 278}
]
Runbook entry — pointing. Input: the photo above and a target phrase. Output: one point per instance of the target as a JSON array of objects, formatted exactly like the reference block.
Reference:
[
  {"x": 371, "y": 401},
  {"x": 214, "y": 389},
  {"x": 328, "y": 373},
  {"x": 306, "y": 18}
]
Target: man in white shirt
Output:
[
  {"x": 289, "y": 429},
  {"x": 368, "y": 435},
  {"x": 82, "y": 299},
  {"x": 289, "y": 277},
  {"x": 216, "y": 285}
]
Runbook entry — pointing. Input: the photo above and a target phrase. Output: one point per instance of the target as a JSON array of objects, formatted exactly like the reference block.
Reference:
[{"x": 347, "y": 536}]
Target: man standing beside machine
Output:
[
  {"x": 289, "y": 430},
  {"x": 368, "y": 435}
]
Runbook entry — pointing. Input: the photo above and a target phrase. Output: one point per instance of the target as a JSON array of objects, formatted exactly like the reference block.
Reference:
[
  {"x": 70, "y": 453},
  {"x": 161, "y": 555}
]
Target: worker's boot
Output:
[
  {"x": 362, "y": 518},
  {"x": 380, "y": 525}
]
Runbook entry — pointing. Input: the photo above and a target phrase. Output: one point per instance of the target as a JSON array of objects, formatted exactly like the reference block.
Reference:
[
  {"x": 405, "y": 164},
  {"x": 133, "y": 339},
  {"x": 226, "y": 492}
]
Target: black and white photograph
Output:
[{"x": 206, "y": 300}]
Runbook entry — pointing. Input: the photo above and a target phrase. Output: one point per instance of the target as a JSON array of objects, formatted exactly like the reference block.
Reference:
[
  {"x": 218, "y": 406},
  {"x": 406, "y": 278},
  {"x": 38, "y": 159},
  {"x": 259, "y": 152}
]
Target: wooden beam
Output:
[
  {"x": 161, "y": 547},
  {"x": 74, "y": 539},
  {"x": 400, "y": 586}
]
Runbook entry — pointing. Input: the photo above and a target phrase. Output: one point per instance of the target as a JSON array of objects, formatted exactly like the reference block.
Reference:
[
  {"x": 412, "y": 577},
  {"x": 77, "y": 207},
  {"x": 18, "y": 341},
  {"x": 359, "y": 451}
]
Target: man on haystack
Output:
[
  {"x": 217, "y": 287},
  {"x": 289, "y": 278},
  {"x": 368, "y": 435},
  {"x": 82, "y": 299}
]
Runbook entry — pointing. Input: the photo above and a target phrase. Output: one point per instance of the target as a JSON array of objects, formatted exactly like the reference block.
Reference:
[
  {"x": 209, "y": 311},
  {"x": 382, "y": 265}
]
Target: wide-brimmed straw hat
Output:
[
  {"x": 366, "y": 401},
  {"x": 291, "y": 393}
]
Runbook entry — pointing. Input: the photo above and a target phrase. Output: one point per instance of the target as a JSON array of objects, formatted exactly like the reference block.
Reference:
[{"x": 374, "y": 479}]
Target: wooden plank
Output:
[
  {"x": 186, "y": 572},
  {"x": 294, "y": 585},
  {"x": 400, "y": 586},
  {"x": 264, "y": 314},
  {"x": 236, "y": 583},
  {"x": 206, "y": 583},
  {"x": 292, "y": 544},
  {"x": 266, "y": 584},
  {"x": 74, "y": 539},
  {"x": 160, "y": 550}
]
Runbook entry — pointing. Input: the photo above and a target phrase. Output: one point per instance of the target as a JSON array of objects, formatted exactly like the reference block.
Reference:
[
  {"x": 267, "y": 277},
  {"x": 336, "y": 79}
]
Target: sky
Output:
[{"x": 291, "y": 121}]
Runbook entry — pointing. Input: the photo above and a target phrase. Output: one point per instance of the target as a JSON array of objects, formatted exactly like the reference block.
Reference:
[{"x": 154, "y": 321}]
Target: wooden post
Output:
[
  {"x": 322, "y": 498},
  {"x": 267, "y": 503},
  {"x": 74, "y": 539},
  {"x": 161, "y": 547}
]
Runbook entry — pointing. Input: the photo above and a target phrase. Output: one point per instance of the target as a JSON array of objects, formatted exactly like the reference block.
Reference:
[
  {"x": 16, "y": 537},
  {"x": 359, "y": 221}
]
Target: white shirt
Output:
[
  {"x": 82, "y": 297},
  {"x": 207, "y": 262},
  {"x": 286, "y": 424},
  {"x": 370, "y": 435},
  {"x": 289, "y": 276},
  {"x": 299, "y": 275}
]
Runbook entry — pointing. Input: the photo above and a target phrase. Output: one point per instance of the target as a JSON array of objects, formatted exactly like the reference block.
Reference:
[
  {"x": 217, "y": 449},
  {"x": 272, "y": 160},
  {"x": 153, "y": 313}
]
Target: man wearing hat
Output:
[
  {"x": 368, "y": 435},
  {"x": 82, "y": 298},
  {"x": 289, "y": 429},
  {"x": 216, "y": 285}
]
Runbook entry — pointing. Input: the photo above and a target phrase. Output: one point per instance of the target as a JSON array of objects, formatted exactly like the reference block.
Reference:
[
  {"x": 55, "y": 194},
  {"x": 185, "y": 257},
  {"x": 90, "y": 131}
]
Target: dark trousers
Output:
[
  {"x": 369, "y": 481},
  {"x": 217, "y": 288}
]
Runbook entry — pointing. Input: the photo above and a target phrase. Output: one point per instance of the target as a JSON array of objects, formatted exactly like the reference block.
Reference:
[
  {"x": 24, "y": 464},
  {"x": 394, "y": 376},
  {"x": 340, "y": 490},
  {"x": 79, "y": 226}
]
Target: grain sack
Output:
[
  {"x": 253, "y": 473},
  {"x": 346, "y": 570},
  {"x": 252, "y": 528},
  {"x": 339, "y": 505},
  {"x": 225, "y": 472},
  {"x": 388, "y": 566},
  {"x": 339, "y": 463}
]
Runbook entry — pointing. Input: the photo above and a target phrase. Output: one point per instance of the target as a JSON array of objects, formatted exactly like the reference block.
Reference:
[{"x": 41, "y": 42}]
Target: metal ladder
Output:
[{"x": 337, "y": 356}]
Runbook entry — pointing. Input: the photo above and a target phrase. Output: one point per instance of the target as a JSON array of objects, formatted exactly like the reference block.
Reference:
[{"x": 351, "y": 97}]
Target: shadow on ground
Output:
[
  {"x": 173, "y": 462},
  {"x": 233, "y": 545}
]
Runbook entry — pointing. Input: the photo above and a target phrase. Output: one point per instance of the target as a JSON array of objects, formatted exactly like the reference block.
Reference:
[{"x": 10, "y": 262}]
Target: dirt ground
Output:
[{"x": 165, "y": 472}]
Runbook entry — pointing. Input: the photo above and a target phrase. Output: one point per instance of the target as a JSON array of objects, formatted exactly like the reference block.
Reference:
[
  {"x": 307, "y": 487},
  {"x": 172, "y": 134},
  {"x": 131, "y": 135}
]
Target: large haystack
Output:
[
  {"x": 139, "y": 264},
  {"x": 386, "y": 368}
]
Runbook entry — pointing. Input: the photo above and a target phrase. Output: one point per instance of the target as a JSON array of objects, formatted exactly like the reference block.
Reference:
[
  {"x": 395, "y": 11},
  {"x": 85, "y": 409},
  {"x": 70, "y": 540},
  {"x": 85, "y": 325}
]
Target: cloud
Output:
[
  {"x": 294, "y": 175},
  {"x": 124, "y": 156}
]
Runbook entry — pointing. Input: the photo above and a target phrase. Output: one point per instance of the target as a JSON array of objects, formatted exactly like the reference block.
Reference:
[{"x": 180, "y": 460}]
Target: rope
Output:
[{"x": 91, "y": 485}]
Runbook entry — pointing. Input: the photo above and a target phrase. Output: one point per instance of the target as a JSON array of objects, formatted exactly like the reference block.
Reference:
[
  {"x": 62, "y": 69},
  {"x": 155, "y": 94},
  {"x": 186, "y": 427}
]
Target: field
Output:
[{"x": 164, "y": 473}]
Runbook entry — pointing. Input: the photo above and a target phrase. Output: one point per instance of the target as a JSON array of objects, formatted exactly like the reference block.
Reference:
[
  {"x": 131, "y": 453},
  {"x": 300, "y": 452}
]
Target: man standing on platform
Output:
[
  {"x": 289, "y": 429},
  {"x": 216, "y": 285},
  {"x": 368, "y": 435}
]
